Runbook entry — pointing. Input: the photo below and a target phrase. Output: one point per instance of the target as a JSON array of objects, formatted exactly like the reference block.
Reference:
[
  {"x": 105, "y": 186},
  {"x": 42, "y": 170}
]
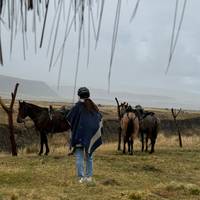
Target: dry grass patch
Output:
[
  {"x": 138, "y": 195},
  {"x": 171, "y": 173},
  {"x": 32, "y": 149},
  {"x": 177, "y": 189}
]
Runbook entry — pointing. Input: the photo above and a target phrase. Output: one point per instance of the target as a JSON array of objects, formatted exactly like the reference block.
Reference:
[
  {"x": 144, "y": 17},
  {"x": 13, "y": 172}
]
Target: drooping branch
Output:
[
  {"x": 175, "y": 37},
  {"x": 14, "y": 16},
  {"x": 114, "y": 40},
  {"x": 135, "y": 10},
  {"x": 44, "y": 24}
]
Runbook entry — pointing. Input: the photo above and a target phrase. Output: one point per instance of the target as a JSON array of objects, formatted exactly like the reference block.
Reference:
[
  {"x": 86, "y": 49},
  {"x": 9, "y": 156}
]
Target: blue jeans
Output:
[{"x": 80, "y": 153}]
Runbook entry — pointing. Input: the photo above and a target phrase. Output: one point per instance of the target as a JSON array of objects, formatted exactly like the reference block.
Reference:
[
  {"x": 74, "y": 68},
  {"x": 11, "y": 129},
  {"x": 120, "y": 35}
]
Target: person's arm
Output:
[
  {"x": 73, "y": 119},
  {"x": 70, "y": 117}
]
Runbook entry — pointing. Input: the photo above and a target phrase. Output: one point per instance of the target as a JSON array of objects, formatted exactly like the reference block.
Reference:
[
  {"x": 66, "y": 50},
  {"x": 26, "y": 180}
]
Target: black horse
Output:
[
  {"x": 46, "y": 120},
  {"x": 149, "y": 127}
]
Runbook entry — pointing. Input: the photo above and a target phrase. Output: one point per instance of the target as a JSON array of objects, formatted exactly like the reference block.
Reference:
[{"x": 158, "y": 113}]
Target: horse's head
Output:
[
  {"x": 139, "y": 111},
  {"x": 22, "y": 112},
  {"x": 123, "y": 108}
]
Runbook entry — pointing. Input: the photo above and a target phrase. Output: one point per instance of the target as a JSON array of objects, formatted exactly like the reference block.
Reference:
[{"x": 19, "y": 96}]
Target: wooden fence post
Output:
[
  {"x": 9, "y": 111},
  {"x": 175, "y": 115},
  {"x": 119, "y": 128}
]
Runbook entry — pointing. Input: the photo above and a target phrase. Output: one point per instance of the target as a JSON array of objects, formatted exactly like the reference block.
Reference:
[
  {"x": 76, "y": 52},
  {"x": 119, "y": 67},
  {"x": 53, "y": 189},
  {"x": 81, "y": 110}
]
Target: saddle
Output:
[
  {"x": 141, "y": 114},
  {"x": 57, "y": 117},
  {"x": 53, "y": 111},
  {"x": 146, "y": 113}
]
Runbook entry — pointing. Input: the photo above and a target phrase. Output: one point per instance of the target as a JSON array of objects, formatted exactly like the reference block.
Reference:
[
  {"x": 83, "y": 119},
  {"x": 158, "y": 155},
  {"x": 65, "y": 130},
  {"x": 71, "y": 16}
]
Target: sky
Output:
[{"x": 141, "y": 55}]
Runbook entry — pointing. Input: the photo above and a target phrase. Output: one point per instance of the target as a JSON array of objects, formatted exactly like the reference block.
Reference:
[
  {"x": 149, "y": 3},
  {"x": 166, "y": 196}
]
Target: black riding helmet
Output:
[{"x": 83, "y": 93}]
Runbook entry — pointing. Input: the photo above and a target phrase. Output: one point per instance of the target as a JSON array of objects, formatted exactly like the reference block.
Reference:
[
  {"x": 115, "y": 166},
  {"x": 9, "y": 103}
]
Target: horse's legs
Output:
[
  {"x": 142, "y": 138},
  {"x": 46, "y": 144},
  {"x": 153, "y": 141},
  {"x": 146, "y": 139},
  {"x": 41, "y": 143},
  {"x": 153, "y": 137},
  {"x": 119, "y": 138},
  {"x": 131, "y": 146},
  {"x": 124, "y": 150}
]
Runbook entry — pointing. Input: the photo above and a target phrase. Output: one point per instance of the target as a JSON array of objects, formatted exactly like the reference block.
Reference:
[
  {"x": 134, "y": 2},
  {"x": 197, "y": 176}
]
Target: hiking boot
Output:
[
  {"x": 88, "y": 179},
  {"x": 81, "y": 180}
]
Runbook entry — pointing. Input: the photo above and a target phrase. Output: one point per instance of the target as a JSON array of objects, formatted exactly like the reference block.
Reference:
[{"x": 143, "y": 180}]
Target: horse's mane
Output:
[{"x": 35, "y": 107}]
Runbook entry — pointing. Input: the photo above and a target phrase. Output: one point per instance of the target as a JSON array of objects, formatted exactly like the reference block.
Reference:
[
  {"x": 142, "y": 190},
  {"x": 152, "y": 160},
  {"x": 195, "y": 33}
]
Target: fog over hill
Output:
[
  {"x": 28, "y": 89},
  {"x": 148, "y": 97}
]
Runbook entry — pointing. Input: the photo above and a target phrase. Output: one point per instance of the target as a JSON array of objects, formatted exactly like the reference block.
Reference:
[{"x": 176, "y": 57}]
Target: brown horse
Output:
[
  {"x": 45, "y": 120},
  {"x": 129, "y": 127},
  {"x": 121, "y": 109},
  {"x": 148, "y": 122}
]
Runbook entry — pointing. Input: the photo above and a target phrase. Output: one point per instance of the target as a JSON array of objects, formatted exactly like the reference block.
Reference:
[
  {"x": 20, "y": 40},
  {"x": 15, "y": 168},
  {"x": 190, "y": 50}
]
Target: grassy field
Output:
[{"x": 170, "y": 173}]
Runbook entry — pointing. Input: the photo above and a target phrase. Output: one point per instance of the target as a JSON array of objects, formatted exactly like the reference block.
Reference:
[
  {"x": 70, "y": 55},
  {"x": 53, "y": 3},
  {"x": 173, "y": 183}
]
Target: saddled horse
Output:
[
  {"x": 149, "y": 127},
  {"x": 46, "y": 120}
]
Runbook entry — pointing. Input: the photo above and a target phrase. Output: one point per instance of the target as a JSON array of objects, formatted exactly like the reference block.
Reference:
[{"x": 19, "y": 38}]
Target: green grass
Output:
[{"x": 170, "y": 173}]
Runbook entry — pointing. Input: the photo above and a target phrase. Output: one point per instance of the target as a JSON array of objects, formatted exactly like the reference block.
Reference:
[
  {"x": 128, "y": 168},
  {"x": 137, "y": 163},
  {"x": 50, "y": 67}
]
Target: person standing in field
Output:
[{"x": 86, "y": 122}]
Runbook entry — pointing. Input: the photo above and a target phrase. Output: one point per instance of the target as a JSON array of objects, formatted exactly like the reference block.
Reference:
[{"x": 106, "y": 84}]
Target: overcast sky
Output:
[{"x": 141, "y": 53}]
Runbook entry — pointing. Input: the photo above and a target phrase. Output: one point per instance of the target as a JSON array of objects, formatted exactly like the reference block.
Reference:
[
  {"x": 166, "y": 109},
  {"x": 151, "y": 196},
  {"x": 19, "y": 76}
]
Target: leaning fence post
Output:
[
  {"x": 175, "y": 115},
  {"x": 119, "y": 128},
  {"x": 9, "y": 111}
]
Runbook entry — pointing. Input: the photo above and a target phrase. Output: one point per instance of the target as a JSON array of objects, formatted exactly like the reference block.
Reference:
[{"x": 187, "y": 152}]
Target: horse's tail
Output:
[
  {"x": 130, "y": 128},
  {"x": 156, "y": 127}
]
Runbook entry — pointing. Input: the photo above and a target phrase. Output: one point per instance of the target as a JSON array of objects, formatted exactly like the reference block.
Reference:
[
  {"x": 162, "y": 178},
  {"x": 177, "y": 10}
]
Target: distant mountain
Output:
[
  {"x": 148, "y": 97},
  {"x": 103, "y": 97},
  {"x": 28, "y": 89}
]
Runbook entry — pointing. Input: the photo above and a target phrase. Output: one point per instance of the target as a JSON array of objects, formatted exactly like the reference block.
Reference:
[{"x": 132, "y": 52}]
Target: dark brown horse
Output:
[
  {"x": 149, "y": 127},
  {"x": 46, "y": 121}
]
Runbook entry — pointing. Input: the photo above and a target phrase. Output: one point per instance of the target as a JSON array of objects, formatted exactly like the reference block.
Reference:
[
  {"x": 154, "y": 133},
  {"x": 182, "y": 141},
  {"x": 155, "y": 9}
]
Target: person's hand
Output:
[{"x": 71, "y": 152}]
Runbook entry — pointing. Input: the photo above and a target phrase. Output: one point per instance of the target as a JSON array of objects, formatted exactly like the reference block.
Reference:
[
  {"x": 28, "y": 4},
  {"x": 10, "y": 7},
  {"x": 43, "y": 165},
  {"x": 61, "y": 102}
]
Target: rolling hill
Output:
[
  {"x": 147, "y": 97},
  {"x": 28, "y": 89}
]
